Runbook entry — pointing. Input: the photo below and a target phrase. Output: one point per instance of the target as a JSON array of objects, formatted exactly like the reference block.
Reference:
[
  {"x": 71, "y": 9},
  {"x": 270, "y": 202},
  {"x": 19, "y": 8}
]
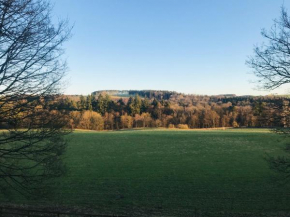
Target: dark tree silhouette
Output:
[
  {"x": 271, "y": 62},
  {"x": 31, "y": 69}
]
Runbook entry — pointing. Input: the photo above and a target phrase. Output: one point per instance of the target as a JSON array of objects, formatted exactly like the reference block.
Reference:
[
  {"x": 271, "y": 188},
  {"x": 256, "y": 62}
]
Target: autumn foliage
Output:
[{"x": 101, "y": 112}]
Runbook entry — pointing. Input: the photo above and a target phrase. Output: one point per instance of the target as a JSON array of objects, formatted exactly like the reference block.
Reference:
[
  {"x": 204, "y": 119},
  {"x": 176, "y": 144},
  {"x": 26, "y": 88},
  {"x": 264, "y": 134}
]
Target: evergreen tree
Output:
[
  {"x": 145, "y": 105},
  {"x": 89, "y": 105},
  {"x": 134, "y": 105},
  {"x": 82, "y": 103},
  {"x": 101, "y": 106}
]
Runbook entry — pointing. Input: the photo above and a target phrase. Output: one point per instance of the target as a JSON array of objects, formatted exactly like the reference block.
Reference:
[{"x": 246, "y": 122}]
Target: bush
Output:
[
  {"x": 87, "y": 120},
  {"x": 235, "y": 124},
  {"x": 75, "y": 118},
  {"x": 127, "y": 121},
  {"x": 171, "y": 126},
  {"x": 158, "y": 123},
  {"x": 182, "y": 126}
]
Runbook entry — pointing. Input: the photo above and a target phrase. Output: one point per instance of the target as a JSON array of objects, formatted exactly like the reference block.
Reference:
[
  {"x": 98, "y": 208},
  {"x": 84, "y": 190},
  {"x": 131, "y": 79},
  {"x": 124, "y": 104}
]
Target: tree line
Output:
[{"x": 103, "y": 112}]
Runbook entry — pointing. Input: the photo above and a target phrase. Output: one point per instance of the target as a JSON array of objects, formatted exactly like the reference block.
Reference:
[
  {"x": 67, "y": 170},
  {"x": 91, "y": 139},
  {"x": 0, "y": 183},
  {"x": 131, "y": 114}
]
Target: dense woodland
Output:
[{"x": 101, "y": 111}]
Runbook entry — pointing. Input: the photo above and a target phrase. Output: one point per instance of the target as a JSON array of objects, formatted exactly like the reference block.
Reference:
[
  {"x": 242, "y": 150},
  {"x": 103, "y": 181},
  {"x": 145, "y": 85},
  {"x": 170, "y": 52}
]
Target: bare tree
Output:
[
  {"x": 271, "y": 62},
  {"x": 31, "y": 69}
]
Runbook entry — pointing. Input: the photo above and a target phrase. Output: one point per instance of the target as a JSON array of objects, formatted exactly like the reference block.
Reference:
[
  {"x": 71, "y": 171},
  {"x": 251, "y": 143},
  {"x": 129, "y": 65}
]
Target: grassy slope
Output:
[{"x": 172, "y": 171}]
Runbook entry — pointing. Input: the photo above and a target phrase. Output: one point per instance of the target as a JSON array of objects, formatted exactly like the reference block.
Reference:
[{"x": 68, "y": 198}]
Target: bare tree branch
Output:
[
  {"x": 271, "y": 61},
  {"x": 31, "y": 70}
]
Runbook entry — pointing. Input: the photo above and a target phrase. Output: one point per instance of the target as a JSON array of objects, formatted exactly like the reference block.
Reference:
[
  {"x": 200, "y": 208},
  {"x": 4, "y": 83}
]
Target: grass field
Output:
[{"x": 171, "y": 172}]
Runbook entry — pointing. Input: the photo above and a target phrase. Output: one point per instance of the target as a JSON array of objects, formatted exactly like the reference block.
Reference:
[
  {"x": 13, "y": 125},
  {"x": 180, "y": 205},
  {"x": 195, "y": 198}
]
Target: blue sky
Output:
[{"x": 189, "y": 46}]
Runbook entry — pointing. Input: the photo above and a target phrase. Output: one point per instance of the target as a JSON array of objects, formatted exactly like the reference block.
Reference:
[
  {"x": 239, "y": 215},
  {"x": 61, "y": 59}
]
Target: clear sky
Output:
[{"x": 189, "y": 46}]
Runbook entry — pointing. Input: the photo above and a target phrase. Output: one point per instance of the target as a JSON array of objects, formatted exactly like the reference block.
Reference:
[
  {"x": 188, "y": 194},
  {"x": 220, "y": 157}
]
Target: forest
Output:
[{"x": 101, "y": 111}]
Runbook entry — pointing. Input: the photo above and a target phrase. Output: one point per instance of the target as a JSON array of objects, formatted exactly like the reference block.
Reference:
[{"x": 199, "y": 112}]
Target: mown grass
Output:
[{"x": 172, "y": 172}]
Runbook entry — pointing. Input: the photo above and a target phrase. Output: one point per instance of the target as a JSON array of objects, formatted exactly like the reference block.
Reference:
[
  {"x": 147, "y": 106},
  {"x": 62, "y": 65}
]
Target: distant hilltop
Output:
[
  {"x": 158, "y": 94},
  {"x": 166, "y": 95},
  {"x": 111, "y": 92}
]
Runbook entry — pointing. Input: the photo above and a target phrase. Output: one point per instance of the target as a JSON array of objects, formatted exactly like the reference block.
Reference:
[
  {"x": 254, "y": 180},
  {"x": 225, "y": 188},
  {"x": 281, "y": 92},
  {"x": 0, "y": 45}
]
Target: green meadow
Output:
[{"x": 171, "y": 172}]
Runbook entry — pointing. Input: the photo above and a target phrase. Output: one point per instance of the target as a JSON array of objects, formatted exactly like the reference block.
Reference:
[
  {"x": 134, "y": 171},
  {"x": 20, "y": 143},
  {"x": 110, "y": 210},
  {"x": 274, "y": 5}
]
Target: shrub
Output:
[
  {"x": 235, "y": 124},
  {"x": 182, "y": 126},
  {"x": 171, "y": 126},
  {"x": 158, "y": 123},
  {"x": 127, "y": 121},
  {"x": 91, "y": 120},
  {"x": 75, "y": 118}
]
